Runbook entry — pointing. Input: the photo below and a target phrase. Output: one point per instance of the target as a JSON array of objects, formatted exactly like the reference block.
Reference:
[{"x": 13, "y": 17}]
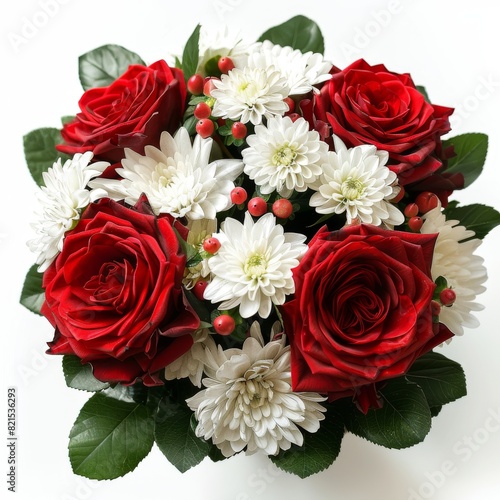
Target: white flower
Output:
[
  {"x": 285, "y": 156},
  {"x": 62, "y": 200},
  {"x": 301, "y": 70},
  {"x": 253, "y": 267},
  {"x": 222, "y": 43},
  {"x": 465, "y": 273},
  {"x": 191, "y": 363},
  {"x": 249, "y": 94},
  {"x": 357, "y": 182},
  {"x": 177, "y": 178},
  {"x": 248, "y": 401}
]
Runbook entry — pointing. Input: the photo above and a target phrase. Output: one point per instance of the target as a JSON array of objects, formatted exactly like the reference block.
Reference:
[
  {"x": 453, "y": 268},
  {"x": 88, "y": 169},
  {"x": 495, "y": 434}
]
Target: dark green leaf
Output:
[
  {"x": 478, "y": 218},
  {"x": 199, "y": 306},
  {"x": 216, "y": 455},
  {"x": 67, "y": 119},
  {"x": 423, "y": 91},
  {"x": 319, "y": 450},
  {"x": 404, "y": 419},
  {"x": 190, "y": 124},
  {"x": 136, "y": 393},
  {"x": 102, "y": 66},
  {"x": 441, "y": 379},
  {"x": 79, "y": 376},
  {"x": 174, "y": 435},
  {"x": 299, "y": 33},
  {"x": 110, "y": 437},
  {"x": 212, "y": 67},
  {"x": 470, "y": 150},
  {"x": 40, "y": 151},
  {"x": 435, "y": 410},
  {"x": 32, "y": 294},
  {"x": 191, "y": 54}
]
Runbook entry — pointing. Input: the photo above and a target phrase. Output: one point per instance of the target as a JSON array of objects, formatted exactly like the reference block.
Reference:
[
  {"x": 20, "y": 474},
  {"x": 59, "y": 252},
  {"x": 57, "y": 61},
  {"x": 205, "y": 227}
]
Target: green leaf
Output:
[
  {"x": 212, "y": 67},
  {"x": 404, "y": 419},
  {"x": 175, "y": 436},
  {"x": 32, "y": 294},
  {"x": 299, "y": 33},
  {"x": 435, "y": 410},
  {"x": 319, "y": 450},
  {"x": 478, "y": 218},
  {"x": 216, "y": 455},
  {"x": 191, "y": 53},
  {"x": 200, "y": 307},
  {"x": 67, "y": 119},
  {"x": 441, "y": 379},
  {"x": 40, "y": 151},
  {"x": 190, "y": 124},
  {"x": 136, "y": 393},
  {"x": 79, "y": 376},
  {"x": 423, "y": 91},
  {"x": 110, "y": 437},
  {"x": 470, "y": 150},
  {"x": 102, "y": 66}
]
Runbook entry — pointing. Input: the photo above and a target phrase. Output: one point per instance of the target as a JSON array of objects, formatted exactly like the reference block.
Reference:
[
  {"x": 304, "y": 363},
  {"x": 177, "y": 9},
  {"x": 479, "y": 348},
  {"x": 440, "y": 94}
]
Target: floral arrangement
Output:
[{"x": 252, "y": 250}]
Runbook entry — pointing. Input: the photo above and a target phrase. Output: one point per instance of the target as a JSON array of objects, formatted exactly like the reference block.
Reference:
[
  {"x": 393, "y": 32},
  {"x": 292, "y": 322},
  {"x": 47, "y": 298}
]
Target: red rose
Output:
[
  {"x": 361, "y": 312},
  {"x": 131, "y": 113},
  {"x": 371, "y": 105},
  {"x": 114, "y": 294}
]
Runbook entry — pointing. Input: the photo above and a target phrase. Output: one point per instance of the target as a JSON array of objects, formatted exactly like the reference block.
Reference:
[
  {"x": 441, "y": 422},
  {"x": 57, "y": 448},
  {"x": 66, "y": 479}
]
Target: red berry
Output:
[
  {"x": 202, "y": 110},
  {"x": 199, "y": 289},
  {"x": 238, "y": 195},
  {"x": 205, "y": 128},
  {"x": 435, "y": 308},
  {"x": 239, "y": 130},
  {"x": 291, "y": 104},
  {"x": 426, "y": 201},
  {"x": 225, "y": 64},
  {"x": 195, "y": 84},
  {"x": 294, "y": 116},
  {"x": 224, "y": 324},
  {"x": 208, "y": 86},
  {"x": 415, "y": 224},
  {"x": 411, "y": 210},
  {"x": 257, "y": 206},
  {"x": 211, "y": 245},
  {"x": 282, "y": 208},
  {"x": 399, "y": 196},
  {"x": 447, "y": 297}
]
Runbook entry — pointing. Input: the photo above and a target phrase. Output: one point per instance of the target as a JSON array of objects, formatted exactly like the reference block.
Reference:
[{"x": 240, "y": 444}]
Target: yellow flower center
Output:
[
  {"x": 352, "y": 189},
  {"x": 255, "y": 266},
  {"x": 284, "y": 156},
  {"x": 163, "y": 174}
]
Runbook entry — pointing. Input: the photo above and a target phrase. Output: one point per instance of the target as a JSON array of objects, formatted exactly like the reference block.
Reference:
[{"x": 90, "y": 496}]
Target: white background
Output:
[{"x": 449, "y": 46}]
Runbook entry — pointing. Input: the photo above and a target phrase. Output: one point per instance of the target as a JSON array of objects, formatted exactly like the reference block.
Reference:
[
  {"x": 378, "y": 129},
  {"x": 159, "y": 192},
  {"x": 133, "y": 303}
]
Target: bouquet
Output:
[{"x": 252, "y": 250}]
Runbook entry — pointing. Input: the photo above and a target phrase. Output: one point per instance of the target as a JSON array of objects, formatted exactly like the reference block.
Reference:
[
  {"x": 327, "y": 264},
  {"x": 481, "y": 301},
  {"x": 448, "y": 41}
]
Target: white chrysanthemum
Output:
[
  {"x": 190, "y": 364},
  {"x": 62, "y": 200},
  {"x": 284, "y": 156},
  {"x": 357, "y": 182},
  {"x": 253, "y": 267},
  {"x": 249, "y": 94},
  {"x": 465, "y": 273},
  {"x": 301, "y": 70},
  {"x": 177, "y": 178},
  {"x": 248, "y": 402},
  {"x": 221, "y": 43}
]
